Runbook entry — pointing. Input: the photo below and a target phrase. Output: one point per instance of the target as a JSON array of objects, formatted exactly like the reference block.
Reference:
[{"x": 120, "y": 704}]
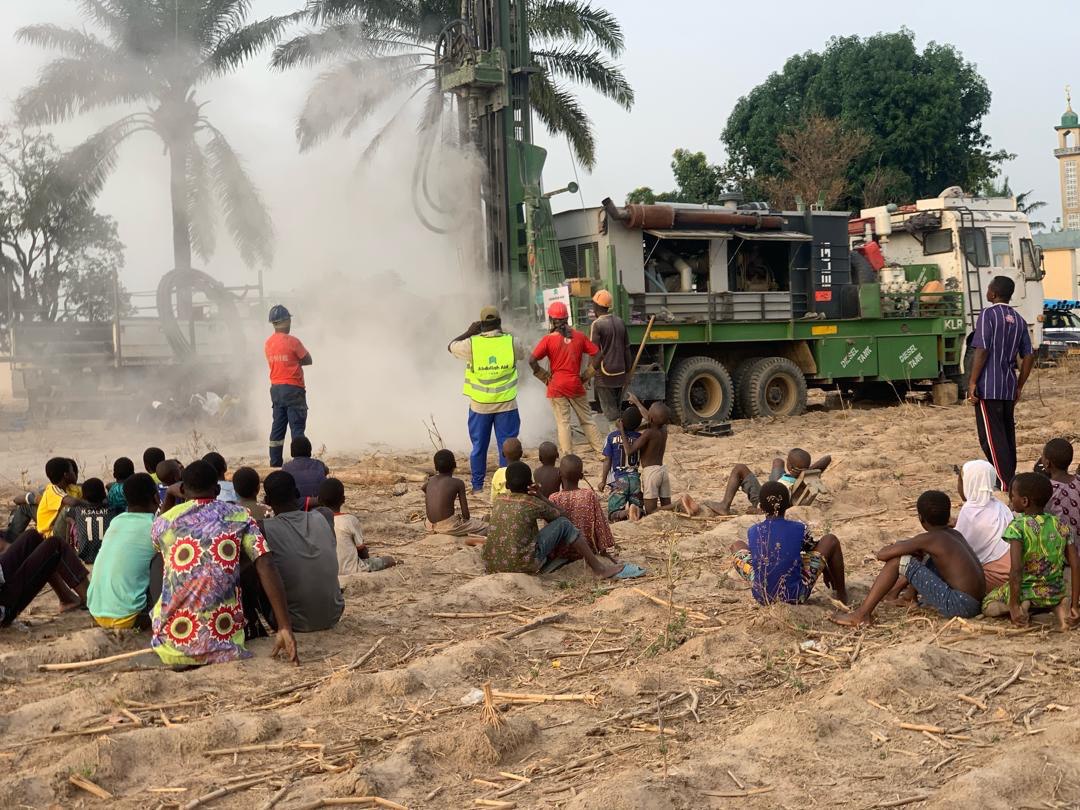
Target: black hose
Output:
[{"x": 215, "y": 292}]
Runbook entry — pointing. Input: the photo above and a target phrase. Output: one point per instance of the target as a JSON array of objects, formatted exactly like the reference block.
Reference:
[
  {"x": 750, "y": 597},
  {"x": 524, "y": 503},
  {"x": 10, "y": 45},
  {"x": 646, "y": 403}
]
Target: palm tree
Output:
[
  {"x": 1027, "y": 208},
  {"x": 379, "y": 47},
  {"x": 154, "y": 53}
]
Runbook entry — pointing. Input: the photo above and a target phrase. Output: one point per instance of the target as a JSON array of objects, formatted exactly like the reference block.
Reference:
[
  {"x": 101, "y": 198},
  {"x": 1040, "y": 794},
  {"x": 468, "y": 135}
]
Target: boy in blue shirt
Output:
[
  {"x": 781, "y": 559},
  {"x": 621, "y": 472}
]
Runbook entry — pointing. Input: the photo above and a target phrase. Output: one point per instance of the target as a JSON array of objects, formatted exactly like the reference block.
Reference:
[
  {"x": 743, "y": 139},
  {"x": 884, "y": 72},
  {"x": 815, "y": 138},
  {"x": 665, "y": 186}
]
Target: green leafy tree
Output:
[
  {"x": 155, "y": 53},
  {"x": 58, "y": 256},
  {"x": 696, "y": 180},
  {"x": 923, "y": 113},
  {"x": 375, "y": 48}
]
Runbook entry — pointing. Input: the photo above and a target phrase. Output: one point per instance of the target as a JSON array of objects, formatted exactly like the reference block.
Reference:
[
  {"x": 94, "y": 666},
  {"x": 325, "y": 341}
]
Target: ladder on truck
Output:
[{"x": 972, "y": 278}]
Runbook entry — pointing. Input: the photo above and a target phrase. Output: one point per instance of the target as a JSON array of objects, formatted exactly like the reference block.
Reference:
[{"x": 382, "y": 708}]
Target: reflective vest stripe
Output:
[{"x": 494, "y": 378}]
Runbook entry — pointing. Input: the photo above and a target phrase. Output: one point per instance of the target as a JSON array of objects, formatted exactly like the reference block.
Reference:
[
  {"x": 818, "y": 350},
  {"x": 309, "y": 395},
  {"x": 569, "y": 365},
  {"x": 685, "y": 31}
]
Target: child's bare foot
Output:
[
  {"x": 634, "y": 513},
  {"x": 841, "y": 594},
  {"x": 855, "y": 619},
  {"x": 1061, "y": 613},
  {"x": 902, "y": 600},
  {"x": 66, "y": 606}
]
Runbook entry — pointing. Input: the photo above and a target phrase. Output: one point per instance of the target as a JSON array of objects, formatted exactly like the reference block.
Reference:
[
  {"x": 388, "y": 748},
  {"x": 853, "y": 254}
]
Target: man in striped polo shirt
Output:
[{"x": 1001, "y": 336}]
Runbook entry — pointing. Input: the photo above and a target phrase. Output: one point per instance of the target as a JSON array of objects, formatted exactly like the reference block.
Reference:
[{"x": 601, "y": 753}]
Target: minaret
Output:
[{"x": 1068, "y": 155}]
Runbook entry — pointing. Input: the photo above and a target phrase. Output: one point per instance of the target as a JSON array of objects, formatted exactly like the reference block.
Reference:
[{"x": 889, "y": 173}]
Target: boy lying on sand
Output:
[{"x": 786, "y": 471}]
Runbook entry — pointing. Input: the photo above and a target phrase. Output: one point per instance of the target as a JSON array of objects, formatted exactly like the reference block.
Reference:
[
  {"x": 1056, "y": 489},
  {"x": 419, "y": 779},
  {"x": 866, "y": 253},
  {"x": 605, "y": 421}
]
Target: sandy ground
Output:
[{"x": 759, "y": 707}]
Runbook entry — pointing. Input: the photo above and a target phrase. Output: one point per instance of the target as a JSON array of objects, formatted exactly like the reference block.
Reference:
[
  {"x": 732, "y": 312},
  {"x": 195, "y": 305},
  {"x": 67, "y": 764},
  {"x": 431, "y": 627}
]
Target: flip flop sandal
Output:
[{"x": 630, "y": 571}]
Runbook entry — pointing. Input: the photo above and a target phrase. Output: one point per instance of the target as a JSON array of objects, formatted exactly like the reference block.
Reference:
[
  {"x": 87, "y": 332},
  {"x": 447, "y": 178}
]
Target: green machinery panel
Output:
[
  {"x": 911, "y": 357},
  {"x": 922, "y": 273},
  {"x": 838, "y": 358}
]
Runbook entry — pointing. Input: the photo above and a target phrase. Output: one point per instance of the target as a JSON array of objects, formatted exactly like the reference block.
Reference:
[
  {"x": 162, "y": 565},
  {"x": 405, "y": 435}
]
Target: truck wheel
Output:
[
  {"x": 774, "y": 387},
  {"x": 700, "y": 390},
  {"x": 741, "y": 375}
]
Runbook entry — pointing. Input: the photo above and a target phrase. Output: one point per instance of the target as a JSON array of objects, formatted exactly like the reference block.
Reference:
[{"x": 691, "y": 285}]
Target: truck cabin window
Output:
[
  {"x": 758, "y": 266},
  {"x": 1001, "y": 248},
  {"x": 975, "y": 248},
  {"x": 676, "y": 265},
  {"x": 939, "y": 241},
  {"x": 1061, "y": 320}
]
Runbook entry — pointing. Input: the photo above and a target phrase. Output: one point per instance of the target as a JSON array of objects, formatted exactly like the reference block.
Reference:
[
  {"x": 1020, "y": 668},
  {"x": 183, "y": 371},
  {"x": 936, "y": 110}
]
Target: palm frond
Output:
[
  {"x": 108, "y": 14},
  {"x": 588, "y": 68},
  {"x": 239, "y": 46},
  {"x": 220, "y": 18},
  {"x": 351, "y": 39},
  {"x": 562, "y": 114},
  {"x": 82, "y": 172},
  {"x": 553, "y": 21},
  {"x": 201, "y": 205},
  {"x": 406, "y": 13},
  {"x": 70, "y": 41},
  {"x": 351, "y": 92},
  {"x": 389, "y": 126},
  {"x": 68, "y": 86},
  {"x": 246, "y": 217}
]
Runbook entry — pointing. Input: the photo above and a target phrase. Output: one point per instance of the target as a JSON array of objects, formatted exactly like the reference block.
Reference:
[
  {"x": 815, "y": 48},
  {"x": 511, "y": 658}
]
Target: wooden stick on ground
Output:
[
  {"x": 95, "y": 662},
  {"x": 472, "y": 615},
  {"x": 517, "y": 631},
  {"x": 738, "y": 794},
  {"x": 89, "y": 787},
  {"x": 277, "y": 797},
  {"x": 919, "y": 797},
  {"x": 366, "y": 801},
  {"x": 997, "y": 690},
  {"x": 588, "y": 650},
  {"x": 693, "y": 614},
  {"x": 225, "y": 791},
  {"x": 363, "y": 659}
]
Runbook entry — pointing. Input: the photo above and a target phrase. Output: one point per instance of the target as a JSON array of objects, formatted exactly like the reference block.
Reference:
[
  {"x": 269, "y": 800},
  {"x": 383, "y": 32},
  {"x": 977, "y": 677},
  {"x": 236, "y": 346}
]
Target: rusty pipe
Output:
[{"x": 668, "y": 217}]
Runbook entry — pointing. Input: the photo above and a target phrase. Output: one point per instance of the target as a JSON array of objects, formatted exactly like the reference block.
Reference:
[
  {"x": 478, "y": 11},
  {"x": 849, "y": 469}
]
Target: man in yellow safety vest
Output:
[{"x": 491, "y": 381}]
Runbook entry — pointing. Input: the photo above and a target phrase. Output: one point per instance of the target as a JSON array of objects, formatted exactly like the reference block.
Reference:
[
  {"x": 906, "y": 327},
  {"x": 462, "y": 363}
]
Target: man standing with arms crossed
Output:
[
  {"x": 1001, "y": 336},
  {"x": 286, "y": 357},
  {"x": 612, "y": 362},
  {"x": 491, "y": 381}
]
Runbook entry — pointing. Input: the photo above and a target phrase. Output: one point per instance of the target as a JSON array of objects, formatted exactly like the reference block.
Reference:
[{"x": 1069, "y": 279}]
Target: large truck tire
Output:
[
  {"x": 739, "y": 378},
  {"x": 700, "y": 390},
  {"x": 774, "y": 386}
]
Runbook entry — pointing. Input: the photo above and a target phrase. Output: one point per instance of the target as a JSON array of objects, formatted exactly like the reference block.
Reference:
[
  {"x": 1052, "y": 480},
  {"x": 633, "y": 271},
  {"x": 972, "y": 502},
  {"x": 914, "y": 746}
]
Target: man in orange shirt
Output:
[{"x": 286, "y": 357}]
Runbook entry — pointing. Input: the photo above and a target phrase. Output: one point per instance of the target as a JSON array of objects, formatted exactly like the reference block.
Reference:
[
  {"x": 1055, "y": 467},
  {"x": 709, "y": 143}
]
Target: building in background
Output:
[
  {"x": 1061, "y": 261},
  {"x": 1068, "y": 155}
]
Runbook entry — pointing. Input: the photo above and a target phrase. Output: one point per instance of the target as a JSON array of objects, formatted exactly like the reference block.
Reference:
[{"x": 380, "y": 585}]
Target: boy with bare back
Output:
[
  {"x": 938, "y": 564},
  {"x": 440, "y": 493},
  {"x": 650, "y": 447},
  {"x": 547, "y": 475},
  {"x": 786, "y": 471}
]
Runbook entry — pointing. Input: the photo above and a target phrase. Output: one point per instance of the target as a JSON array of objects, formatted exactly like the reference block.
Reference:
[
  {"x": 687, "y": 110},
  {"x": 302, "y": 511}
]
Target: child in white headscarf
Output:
[{"x": 983, "y": 520}]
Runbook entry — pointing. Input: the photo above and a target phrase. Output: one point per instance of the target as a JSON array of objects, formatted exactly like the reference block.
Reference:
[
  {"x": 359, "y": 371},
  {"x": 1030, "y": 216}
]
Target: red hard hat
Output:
[{"x": 558, "y": 311}]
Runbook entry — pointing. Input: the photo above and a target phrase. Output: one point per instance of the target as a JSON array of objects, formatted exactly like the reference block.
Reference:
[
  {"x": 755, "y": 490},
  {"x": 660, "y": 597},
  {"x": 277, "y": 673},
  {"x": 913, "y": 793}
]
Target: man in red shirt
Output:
[
  {"x": 564, "y": 348},
  {"x": 286, "y": 357}
]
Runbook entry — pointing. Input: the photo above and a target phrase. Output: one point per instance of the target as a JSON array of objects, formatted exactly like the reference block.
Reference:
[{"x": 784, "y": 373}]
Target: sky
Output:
[{"x": 688, "y": 60}]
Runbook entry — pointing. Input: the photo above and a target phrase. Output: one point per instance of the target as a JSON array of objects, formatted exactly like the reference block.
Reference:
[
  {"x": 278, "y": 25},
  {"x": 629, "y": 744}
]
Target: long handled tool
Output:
[{"x": 637, "y": 359}]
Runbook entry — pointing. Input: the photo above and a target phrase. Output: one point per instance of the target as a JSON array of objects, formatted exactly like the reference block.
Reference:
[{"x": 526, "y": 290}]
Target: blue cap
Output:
[{"x": 278, "y": 314}]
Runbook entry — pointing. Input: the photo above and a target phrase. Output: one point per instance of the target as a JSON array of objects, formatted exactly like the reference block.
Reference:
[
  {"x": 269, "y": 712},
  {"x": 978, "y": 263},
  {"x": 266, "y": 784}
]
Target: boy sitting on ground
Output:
[
  {"x": 1039, "y": 547},
  {"x": 547, "y": 475},
  {"x": 786, "y": 471},
  {"x": 88, "y": 522},
  {"x": 440, "y": 493},
  {"x": 59, "y": 494},
  {"x": 308, "y": 472},
  {"x": 169, "y": 474},
  {"x": 246, "y": 483},
  {"x": 151, "y": 457},
  {"x": 621, "y": 474},
  {"x": 352, "y": 552},
  {"x": 32, "y": 561},
  {"x": 304, "y": 552},
  {"x": 781, "y": 559},
  {"x": 198, "y": 619},
  {"x": 122, "y": 469},
  {"x": 515, "y": 543},
  {"x": 511, "y": 451},
  {"x": 583, "y": 507},
  {"x": 218, "y": 462},
  {"x": 1056, "y": 459},
  {"x": 938, "y": 564},
  {"x": 127, "y": 573}
]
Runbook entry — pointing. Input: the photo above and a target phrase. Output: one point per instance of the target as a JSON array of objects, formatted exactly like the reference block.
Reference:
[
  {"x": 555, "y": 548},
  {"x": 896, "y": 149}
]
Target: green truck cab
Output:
[{"x": 751, "y": 307}]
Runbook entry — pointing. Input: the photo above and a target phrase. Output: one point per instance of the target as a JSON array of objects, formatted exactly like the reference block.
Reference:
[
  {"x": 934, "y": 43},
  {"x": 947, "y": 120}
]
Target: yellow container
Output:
[{"x": 580, "y": 287}]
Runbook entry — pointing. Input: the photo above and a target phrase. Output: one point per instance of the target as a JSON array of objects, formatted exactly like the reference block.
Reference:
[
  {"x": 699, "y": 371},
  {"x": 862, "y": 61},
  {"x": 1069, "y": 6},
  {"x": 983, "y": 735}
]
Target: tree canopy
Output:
[
  {"x": 922, "y": 113},
  {"x": 378, "y": 47},
  {"x": 58, "y": 256},
  {"x": 696, "y": 181}
]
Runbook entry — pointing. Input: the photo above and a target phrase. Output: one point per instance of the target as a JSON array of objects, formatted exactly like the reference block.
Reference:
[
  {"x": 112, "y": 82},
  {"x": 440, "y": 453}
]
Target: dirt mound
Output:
[
  {"x": 476, "y": 744},
  {"x": 496, "y": 590}
]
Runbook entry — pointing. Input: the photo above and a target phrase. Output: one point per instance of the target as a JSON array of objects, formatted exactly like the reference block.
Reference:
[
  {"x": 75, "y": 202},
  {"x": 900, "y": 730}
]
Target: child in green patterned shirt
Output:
[{"x": 1039, "y": 546}]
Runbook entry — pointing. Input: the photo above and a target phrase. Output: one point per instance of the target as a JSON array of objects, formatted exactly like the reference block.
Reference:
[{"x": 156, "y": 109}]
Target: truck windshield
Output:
[{"x": 1062, "y": 320}]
